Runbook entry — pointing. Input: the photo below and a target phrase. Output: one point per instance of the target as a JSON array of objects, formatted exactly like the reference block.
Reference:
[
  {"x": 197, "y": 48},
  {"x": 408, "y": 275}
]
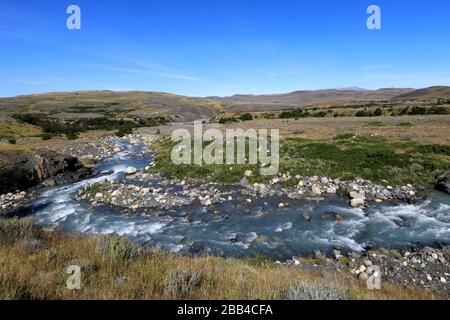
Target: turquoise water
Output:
[{"x": 239, "y": 229}]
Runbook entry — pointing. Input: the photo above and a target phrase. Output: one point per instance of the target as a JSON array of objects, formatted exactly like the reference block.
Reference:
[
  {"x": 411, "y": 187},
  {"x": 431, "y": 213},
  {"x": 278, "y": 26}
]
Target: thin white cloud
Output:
[
  {"x": 43, "y": 80},
  {"x": 136, "y": 66},
  {"x": 413, "y": 79},
  {"x": 141, "y": 71},
  {"x": 374, "y": 67}
]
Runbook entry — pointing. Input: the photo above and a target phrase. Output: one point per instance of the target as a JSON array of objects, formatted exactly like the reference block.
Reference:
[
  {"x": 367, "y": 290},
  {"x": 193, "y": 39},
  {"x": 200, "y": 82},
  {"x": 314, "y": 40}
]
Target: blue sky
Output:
[{"x": 203, "y": 48}]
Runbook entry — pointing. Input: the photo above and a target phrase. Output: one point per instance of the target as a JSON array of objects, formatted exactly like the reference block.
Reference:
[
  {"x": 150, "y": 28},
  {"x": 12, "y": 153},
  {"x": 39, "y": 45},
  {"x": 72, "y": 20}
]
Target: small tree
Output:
[
  {"x": 378, "y": 112},
  {"x": 246, "y": 117}
]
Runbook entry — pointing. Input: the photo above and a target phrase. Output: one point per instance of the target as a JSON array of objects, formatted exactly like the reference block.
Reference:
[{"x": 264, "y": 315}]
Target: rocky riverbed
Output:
[
  {"x": 418, "y": 266},
  {"x": 196, "y": 217},
  {"x": 12, "y": 202},
  {"x": 143, "y": 190}
]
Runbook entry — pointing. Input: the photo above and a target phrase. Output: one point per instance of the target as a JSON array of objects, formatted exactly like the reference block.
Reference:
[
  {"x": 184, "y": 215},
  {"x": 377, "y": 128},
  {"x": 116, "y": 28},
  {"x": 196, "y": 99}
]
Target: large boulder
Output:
[
  {"x": 130, "y": 170},
  {"x": 23, "y": 170},
  {"x": 443, "y": 183}
]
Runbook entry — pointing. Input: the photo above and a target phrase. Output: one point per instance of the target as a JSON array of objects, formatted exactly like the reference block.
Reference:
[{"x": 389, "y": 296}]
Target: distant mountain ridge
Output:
[
  {"x": 131, "y": 104},
  {"x": 437, "y": 92},
  {"x": 353, "y": 89},
  {"x": 241, "y": 103}
]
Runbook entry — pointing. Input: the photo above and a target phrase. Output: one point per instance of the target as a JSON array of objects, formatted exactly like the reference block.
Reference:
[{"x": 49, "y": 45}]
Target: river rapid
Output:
[{"x": 240, "y": 229}]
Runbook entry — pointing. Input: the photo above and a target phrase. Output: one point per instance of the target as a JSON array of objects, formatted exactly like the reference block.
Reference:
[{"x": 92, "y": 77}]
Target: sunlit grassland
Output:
[{"x": 346, "y": 157}]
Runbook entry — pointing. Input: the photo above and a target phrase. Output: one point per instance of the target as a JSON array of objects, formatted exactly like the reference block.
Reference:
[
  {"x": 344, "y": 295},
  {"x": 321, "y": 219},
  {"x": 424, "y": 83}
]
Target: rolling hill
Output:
[
  {"x": 139, "y": 104},
  {"x": 92, "y": 104},
  {"x": 438, "y": 92},
  {"x": 248, "y": 103}
]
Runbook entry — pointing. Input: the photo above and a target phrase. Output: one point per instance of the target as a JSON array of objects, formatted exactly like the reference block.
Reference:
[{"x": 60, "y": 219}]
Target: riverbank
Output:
[
  {"x": 194, "y": 217},
  {"x": 33, "y": 262},
  {"x": 309, "y": 171}
]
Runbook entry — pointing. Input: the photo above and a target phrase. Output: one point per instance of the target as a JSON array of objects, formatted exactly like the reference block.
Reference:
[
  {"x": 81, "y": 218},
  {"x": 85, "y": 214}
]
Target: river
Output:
[{"x": 248, "y": 229}]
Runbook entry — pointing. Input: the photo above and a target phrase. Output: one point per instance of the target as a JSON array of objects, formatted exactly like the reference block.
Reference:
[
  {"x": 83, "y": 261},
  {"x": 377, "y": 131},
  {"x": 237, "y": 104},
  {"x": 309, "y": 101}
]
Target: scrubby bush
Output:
[
  {"x": 47, "y": 136},
  {"x": 293, "y": 114},
  {"x": 124, "y": 131},
  {"x": 314, "y": 291},
  {"x": 72, "y": 135},
  {"x": 246, "y": 117},
  {"x": 13, "y": 230},
  {"x": 117, "y": 248},
  {"x": 433, "y": 148},
  {"x": 378, "y": 112},
  {"x": 225, "y": 120},
  {"x": 12, "y": 141},
  {"x": 268, "y": 115},
  {"x": 72, "y": 128},
  {"x": 181, "y": 283}
]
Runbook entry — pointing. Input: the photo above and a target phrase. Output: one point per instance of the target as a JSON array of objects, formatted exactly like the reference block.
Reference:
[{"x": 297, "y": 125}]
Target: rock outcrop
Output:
[
  {"x": 23, "y": 170},
  {"x": 443, "y": 183}
]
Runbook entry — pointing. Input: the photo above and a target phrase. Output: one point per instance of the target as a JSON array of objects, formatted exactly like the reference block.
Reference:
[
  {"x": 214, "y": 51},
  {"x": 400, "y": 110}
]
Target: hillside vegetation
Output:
[
  {"x": 43, "y": 116},
  {"x": 93, "y": 104},
  {"x": 346, "y": 156}
]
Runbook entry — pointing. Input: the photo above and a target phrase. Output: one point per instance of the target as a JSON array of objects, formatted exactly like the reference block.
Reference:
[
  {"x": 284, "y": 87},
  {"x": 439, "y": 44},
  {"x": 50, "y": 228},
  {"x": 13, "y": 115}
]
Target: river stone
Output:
[
  {"x": 337, "y": 254},
  {"x": 248, "y": 173},
  {"x": 315, "y": 191},
  {"x": 307, "y": 217},
  {"x": 19, "y": 197},
  {"x": 244, "y": 182},
  {"x": 262, "y": 238},
  {"x": 357, "y": 195},
  {"x": 443, "y": 183},
  {"x": 357, "y": 203},
  {"x": 331, "y": 190},
  {"x": 325, "y": 216},
  {"x": 130, "y": 170},
  {"x": 367, "y": 262},
  {"x": 363, "y": 276}
]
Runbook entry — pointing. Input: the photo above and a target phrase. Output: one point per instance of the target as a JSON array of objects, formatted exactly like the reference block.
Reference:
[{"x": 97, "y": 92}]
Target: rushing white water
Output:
[{"x": 280, "y": 234}]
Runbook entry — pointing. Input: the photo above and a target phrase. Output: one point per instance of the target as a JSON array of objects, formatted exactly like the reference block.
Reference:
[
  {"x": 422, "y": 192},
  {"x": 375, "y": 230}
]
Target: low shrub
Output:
[
  {"x": 13, "y": 230},
  {"x": 179, "y": 284},
  {"x": 314, "y": 291},
  {"x": 117, "y": 249},
  {"x": 246, "y": 117}
]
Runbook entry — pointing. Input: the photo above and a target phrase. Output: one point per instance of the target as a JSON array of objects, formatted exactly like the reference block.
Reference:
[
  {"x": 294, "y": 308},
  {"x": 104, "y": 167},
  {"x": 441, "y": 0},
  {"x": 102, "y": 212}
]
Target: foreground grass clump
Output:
[
  {"x": 15, "y": 230},
  {"x": 315, "y": 291},
  {"x": 116, "y": 274},
  {"x": 116, "y": 248},
  {"x": 180, "y": 284},
  {"x": 346, "y": 156}
]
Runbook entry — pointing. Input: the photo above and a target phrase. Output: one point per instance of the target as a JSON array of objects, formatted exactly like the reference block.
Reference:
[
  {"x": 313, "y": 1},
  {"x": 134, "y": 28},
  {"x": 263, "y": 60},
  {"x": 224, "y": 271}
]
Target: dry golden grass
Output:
[
  {"x": 20, "y": 130},
  {"x": 41, "y": 274}
]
